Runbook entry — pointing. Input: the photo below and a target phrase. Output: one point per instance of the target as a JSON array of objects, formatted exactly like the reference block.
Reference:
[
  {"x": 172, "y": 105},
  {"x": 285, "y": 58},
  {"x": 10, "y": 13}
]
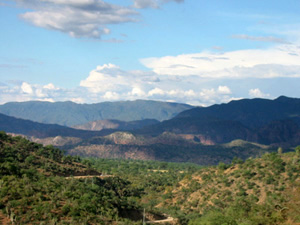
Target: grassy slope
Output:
[
  {"x": 34, "y": 188},
  {"x": 259, "y": 191}
]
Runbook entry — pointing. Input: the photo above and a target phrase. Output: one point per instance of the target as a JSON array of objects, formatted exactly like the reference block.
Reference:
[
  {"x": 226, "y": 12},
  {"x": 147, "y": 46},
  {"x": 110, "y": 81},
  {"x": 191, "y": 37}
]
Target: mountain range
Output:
[
  {"x": 71, "y": 114},
  {"x": 197, "y": 134},
  {"x": 34, "y": 129},
  {"x": 257, "y": 120}
]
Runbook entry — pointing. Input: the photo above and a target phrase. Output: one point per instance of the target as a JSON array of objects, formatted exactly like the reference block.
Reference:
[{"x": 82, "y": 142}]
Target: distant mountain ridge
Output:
[
  {"x": 252, "y": 113},
  {"x": 186, "y": 137},
  {"x": 70, "y": 113},
  {"x": 14, "y": 125},
  {"x": 257, "y": 120}
]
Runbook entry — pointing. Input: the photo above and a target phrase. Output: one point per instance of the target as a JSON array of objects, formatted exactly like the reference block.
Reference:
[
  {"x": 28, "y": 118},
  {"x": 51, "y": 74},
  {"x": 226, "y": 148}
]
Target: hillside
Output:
[
  {"x": 166, "y": 147},
  {"x": 19, "y": 156},
  {"x": 253, "y": 113},
  {"x": 33, "y": 129},
  {"x": 271, "y": 122},
  {"x": 116, "y": 124},
  {"x": 258, "y": 191},
  {"x": 70, "y": 113},
  {"x": 38, "y": 185}
]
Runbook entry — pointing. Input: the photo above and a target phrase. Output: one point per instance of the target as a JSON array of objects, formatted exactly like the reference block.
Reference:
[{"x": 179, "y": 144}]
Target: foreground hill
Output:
[
  {"x": 70, "y": 113},
  {"x": 258, "y": 191},
  {"x": 255, "y": 120},
  {"x": 38, "y": 186}
]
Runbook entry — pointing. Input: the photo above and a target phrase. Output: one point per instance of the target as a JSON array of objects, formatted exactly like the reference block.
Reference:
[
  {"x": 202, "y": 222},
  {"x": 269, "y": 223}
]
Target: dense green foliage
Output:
[
  {"x": 38, "y": 185},
  {"x": 261, "y": 191},
  {"x": 254, "y": 192}
]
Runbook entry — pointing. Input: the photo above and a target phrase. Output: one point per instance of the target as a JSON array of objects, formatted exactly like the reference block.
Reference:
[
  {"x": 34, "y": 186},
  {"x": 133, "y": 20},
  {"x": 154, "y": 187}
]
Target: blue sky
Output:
[{"x": 196, "y": 52}]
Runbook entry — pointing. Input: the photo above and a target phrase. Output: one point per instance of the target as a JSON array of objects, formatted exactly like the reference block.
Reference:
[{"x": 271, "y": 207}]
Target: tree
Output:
[{"x": 279, "y": 150}]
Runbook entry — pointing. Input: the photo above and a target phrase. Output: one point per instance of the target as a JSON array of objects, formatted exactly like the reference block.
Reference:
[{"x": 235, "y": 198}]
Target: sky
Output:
[{"x": 188, "y": 51}]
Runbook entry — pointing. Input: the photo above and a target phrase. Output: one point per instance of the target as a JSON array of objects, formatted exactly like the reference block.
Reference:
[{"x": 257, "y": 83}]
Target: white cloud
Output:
[
  {"x": 82, "y": 18},
  {"x": 111, "y": 96},
  {"x": 224, "y": 90},
  {"x": 257, "y": 93},
  {"x": 109, "y": 82},
  {"x": 105, "y": 78},
  {"x": 137, "y": 92},
  {"x": 26, "y": 88},
  {"x": 279, "y": 61},
  {"x": 156, "y": 91},
  {"x": 24, "y": 91},
  {"x": 50, "y": 86},
  {"x": 152, "y": 3},
  {"x": 39, "y": 93}
]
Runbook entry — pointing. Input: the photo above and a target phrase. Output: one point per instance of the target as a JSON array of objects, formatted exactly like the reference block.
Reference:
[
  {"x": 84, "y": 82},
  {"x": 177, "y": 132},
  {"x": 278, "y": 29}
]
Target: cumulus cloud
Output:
[
  {"x": 257, "y": 93},
  {"x": 156, "y": 92},
  {"x": 105, "y": 78},
  {"x": 26, "y": 88},
  {"x": 50, "y": 86},
  {"x": 24, "y": 91},
  {"x": 78, "y": 18},
  {"x": 110, "y": 83},
  {"x": 141, "y": 4},
  {"x": 279, "y": 61},
  {"x": 111, "y": 96},
  {"x": 224, "y": 90}
]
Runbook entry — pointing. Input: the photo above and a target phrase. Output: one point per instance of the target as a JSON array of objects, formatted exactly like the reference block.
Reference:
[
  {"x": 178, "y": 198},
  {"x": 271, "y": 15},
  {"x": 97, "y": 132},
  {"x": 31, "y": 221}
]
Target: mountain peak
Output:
[{"x": 283, "y": 98}]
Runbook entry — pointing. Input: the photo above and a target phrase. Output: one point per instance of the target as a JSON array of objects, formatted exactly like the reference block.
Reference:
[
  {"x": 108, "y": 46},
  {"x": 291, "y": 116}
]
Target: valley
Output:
[
  {"x": 206, "y": 135},
  {"x": 42, "y": 184},
  {"x": 203, "y": 166},
  {"x": 139, "y": 112}
]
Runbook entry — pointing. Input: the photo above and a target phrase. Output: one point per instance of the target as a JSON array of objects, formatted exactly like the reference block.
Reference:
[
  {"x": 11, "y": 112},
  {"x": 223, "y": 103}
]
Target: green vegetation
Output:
[
  {"x": 70, "y": 113},
  {"x": 34, "y": 187},
  {"x": 38, "y": 185},
  {"x": 257, "y": 191},
  {"x": 166, "y": 147}
]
